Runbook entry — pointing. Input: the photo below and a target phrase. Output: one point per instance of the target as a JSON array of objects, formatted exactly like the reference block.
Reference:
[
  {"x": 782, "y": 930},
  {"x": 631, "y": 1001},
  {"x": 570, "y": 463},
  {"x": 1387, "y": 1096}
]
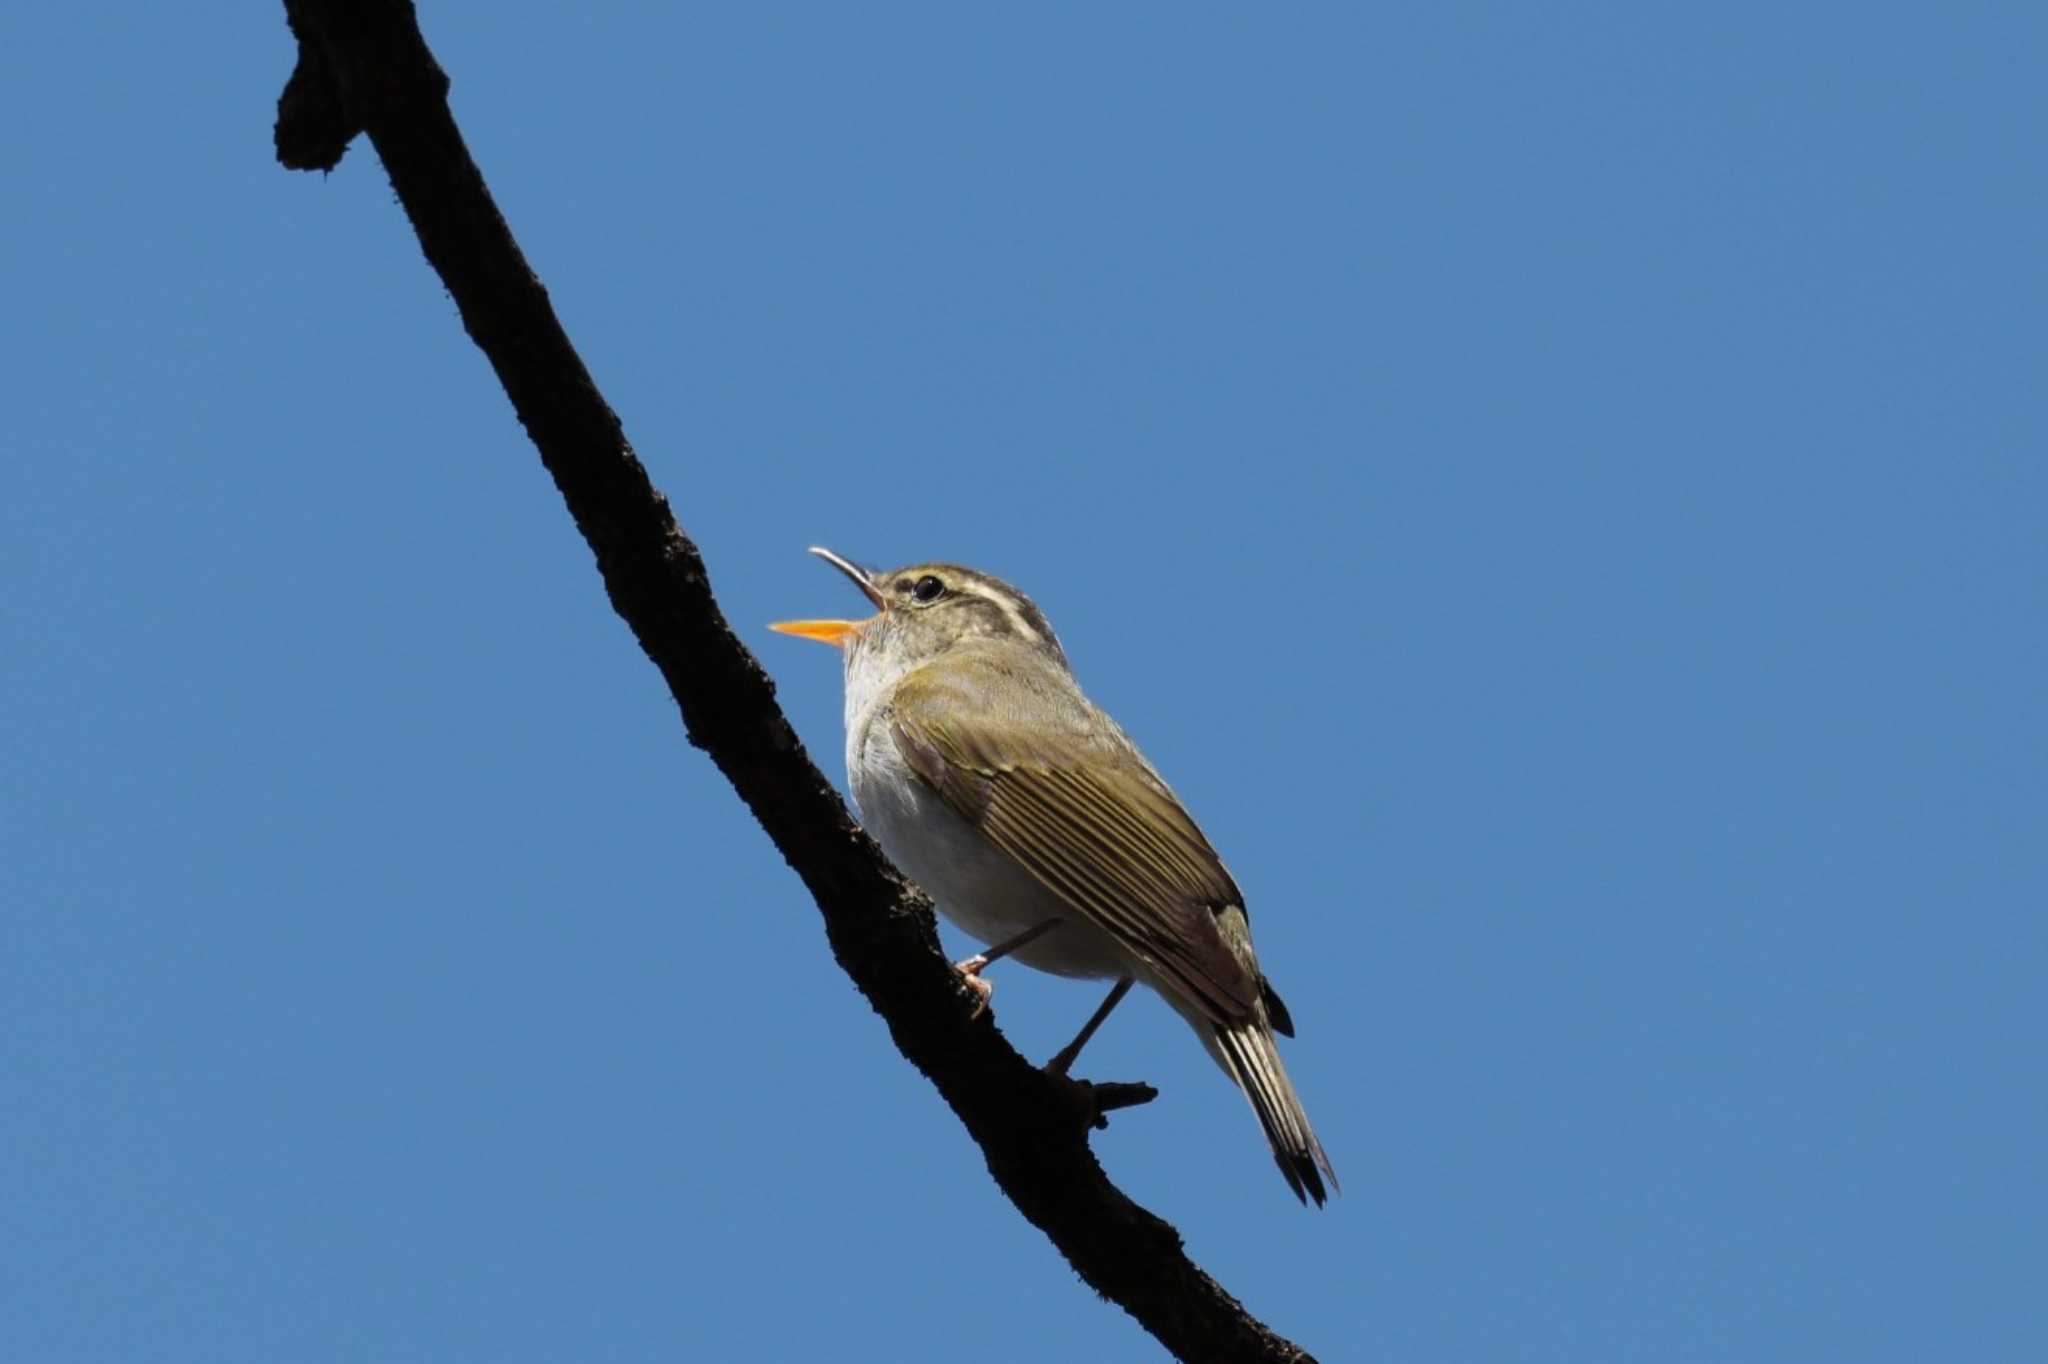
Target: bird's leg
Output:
[
  {"x": 1064, "y": 1058},
  {"x": 970, "y": 970}
]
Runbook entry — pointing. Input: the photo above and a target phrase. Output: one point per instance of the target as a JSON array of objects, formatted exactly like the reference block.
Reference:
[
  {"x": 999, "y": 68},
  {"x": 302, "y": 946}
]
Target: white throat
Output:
[{"x": 872, "y": 672}]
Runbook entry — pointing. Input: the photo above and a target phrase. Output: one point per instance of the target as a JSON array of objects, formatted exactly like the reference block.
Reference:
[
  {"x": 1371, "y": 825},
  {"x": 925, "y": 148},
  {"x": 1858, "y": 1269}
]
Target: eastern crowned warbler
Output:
[{"x": 1038, "y": 827}]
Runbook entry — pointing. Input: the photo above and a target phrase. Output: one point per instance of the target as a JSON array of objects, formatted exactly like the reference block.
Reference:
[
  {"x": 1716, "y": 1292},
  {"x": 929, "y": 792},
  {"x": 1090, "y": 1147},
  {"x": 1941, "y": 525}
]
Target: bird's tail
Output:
[{"x": 1247, "y": 1051}]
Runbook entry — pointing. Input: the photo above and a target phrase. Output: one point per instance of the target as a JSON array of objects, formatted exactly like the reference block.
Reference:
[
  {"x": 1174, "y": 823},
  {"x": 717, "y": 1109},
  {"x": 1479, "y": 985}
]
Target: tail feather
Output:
[{"x": 1248, "y": 1052}]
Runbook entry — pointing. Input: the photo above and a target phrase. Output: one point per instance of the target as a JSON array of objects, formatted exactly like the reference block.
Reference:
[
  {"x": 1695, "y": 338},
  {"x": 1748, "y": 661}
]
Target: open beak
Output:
[
  {"x": 836, "y": 632},
  {"x": 825, "y": 631}
]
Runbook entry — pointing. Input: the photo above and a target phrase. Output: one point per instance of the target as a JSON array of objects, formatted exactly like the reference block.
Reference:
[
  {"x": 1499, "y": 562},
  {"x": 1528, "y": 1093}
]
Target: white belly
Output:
[{"x": 976, "y": 886}]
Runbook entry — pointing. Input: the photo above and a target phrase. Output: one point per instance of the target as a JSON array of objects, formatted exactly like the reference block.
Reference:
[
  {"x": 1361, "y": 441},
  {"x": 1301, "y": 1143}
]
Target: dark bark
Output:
[{"x": 363, "y": 67}]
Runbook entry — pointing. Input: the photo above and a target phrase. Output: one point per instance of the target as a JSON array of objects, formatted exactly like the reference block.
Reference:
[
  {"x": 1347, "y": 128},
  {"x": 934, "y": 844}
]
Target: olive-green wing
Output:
[{"x": 1075, "y": 806}]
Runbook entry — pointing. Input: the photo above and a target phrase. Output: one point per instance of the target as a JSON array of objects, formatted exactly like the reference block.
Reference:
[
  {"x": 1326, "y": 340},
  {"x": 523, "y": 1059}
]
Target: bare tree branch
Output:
[{"x": 363, "y": 67}]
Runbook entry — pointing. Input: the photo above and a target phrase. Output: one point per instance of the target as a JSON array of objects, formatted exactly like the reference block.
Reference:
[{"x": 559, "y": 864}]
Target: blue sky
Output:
[{"x": 1559, "y": 490}]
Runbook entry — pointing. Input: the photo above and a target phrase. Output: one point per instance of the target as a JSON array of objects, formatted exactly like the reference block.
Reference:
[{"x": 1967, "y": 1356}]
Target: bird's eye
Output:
[{"x": 928, "y": 589}]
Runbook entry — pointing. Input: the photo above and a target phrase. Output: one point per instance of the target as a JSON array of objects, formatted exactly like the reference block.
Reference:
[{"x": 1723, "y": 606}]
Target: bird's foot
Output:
[
  {"x": 970, "y": 976},
  {"x": 1096, "y": 1100}
]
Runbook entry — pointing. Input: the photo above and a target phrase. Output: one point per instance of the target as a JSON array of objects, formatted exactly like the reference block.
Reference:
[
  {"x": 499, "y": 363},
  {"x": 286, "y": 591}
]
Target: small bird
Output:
[{"x": 1040, "y": 829}]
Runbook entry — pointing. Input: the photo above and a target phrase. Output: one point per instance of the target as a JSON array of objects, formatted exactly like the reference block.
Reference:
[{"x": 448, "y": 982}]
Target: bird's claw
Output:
[
  {"x": 970, "y": 977},
  {"x": 1099, "y": 1098}
]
